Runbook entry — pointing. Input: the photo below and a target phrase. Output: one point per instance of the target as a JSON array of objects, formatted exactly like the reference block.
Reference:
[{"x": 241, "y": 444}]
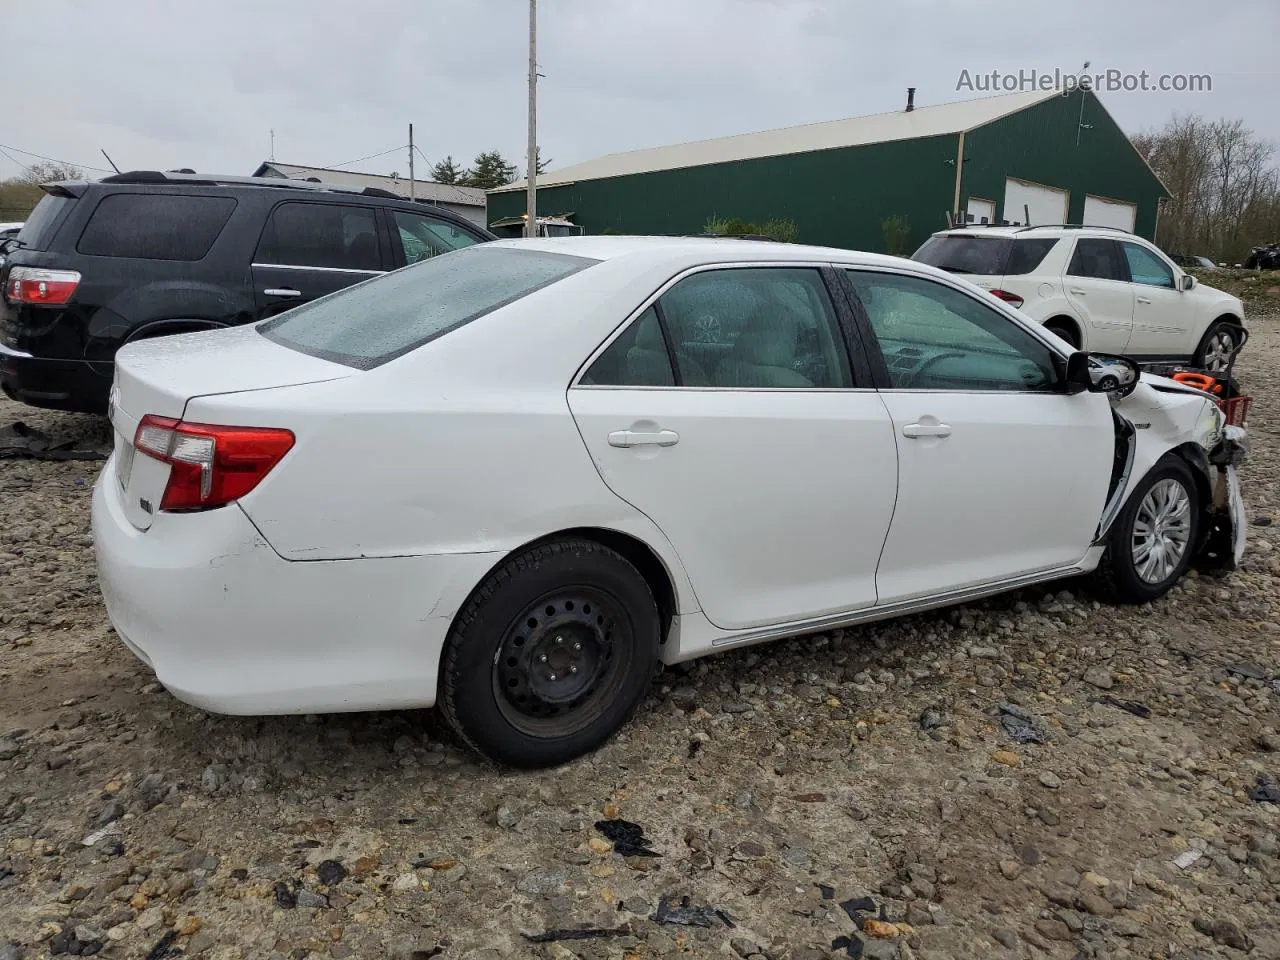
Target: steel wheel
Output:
[
  {"x": 561, "y": 661},
  {"x": 1161, "y": 531},
  {"x": 1218, "y": 349}
]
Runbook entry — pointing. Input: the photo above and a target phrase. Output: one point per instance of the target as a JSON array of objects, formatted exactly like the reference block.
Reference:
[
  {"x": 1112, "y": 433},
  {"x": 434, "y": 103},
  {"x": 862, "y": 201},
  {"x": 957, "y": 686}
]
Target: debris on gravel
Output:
[{"x": 1034, "y": 775}]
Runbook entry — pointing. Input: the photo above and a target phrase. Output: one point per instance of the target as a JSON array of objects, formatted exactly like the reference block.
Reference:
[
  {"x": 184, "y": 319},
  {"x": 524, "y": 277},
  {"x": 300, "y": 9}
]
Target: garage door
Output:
[
  {"x": 981, "y": 211},
  {"x": 1048, "y": 205},
  {"x": 1099, "y": 212}
]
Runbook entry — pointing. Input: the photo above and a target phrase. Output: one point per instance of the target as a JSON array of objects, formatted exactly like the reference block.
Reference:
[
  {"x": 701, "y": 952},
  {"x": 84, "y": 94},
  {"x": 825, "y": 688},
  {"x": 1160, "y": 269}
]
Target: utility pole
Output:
[
  {"x": 273, "y": 144},
  {"x": 531, "y": 204},
  {"x": 412, "y": 184}
]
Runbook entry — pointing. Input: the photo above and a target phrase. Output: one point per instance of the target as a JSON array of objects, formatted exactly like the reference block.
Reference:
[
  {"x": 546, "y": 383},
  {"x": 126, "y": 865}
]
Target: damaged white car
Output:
[{"x": 515, "y": 479}]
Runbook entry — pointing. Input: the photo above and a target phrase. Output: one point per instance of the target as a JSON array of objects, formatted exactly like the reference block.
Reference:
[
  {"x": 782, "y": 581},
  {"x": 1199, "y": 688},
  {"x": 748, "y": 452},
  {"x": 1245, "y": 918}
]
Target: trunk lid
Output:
[{"x": 159, "y": 377}]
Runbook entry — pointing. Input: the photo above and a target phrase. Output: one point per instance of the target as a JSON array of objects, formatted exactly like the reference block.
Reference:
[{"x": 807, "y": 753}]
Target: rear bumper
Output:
[
  {"x": 229, "y": 626},
  {"x": 54, "y": 384}
]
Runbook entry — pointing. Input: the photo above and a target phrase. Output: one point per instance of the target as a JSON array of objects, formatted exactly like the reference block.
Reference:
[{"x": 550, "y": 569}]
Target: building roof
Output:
[
  {"x": 943, "y": 118},
  {"x": 423, "y": 189}
]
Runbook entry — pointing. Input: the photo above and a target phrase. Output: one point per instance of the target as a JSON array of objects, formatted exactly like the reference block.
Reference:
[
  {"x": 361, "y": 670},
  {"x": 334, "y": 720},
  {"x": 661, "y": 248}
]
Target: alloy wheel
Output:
[
  {"x": 1217, "y": 352},
  {"x": 1161, "y": 531}
]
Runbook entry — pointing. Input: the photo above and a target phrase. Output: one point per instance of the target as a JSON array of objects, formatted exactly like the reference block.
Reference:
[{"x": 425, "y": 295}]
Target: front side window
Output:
[
  {"x": 936, "y": 338},
  {"x": 376, "y": 321},
  {"x": 1097, "y": 259},
  {"x": 755, "y": 327},
  {"x": 324, "y": 235},
  {"x": 423, "y": 237},
  {"x": 155, "y": 226},
  {"x": 638, "y": 358},
  {"x": 1145, "y": 267}
]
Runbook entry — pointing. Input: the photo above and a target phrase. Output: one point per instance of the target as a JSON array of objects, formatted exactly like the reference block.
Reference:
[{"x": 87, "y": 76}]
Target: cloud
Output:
[{"x": 202, "y": 84}]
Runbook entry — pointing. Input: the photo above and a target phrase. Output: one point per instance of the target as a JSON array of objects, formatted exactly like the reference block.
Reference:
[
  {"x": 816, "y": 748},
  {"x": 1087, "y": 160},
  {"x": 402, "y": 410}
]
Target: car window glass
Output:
[
  {"x": 753, "y": 328},
  {"x": 1099, "y": 259},
  {"x": 1146, "y": 268},
  {"x": 321, "y": 235},
  {"x": 424, "y": 237},
  {"x": 638, "y": 358},
  {"x": 936, "y": 338},
  {"x": 1028, "y": 254},
  {"x": 155, "y": 226},
  {"x": 962, "y": 253}
]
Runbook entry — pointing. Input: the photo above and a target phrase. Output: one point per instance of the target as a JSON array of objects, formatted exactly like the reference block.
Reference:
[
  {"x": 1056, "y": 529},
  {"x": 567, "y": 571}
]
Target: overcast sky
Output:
[{"x": 200, "y": 83}]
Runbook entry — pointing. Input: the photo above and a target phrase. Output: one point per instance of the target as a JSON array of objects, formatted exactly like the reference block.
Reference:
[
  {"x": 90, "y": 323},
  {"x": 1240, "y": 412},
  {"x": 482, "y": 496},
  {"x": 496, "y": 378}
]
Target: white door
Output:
[
  {"x": 1100, "y": 212},
  {"x": 1048, "y": 205},
  {"x": 1097, "y": 286},
  {"x": 1000, "y": 474},
  {"x": 773, "y": 479},
  {"x": 1162, "y": 314},
  {"x": 981, "y": 211}
]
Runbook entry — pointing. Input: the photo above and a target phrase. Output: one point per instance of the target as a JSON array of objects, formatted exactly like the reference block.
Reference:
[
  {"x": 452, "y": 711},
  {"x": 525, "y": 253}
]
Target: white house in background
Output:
[{"x": 468, "y": 202}]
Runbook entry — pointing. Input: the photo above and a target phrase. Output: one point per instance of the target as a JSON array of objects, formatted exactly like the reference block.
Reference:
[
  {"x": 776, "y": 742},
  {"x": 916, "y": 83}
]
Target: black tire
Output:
[
  {"x": 1064, "y": 329},
  {"x": 1213, "y": 339},
  {"x": 1118, "y": 576},
  {"x": 551, "y": 655}
]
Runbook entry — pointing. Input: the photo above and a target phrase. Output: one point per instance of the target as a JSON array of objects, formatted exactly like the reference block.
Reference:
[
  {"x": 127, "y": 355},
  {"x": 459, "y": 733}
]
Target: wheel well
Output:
[
  {"x": 636, "y": 552},
  {"x": 1067, "y": 323},
  {"x": 1231, "y": 320},
  {"x": 1194, "y": 457}
]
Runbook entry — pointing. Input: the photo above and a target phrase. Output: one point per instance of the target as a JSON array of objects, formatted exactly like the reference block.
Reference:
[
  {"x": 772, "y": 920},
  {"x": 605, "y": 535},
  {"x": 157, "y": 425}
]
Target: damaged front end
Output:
[{"x": 1225, "y": 537}]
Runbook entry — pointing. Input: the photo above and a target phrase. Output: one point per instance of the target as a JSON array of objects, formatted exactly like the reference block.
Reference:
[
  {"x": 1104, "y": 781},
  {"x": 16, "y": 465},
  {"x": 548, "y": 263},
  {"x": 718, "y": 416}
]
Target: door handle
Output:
[
  {"x": 637, "y": 438},
  {"x": 281, "y": 292},
  {"x": 914, "y": 431},
  {"x": 1144, "y": 300},
  {"x": 1077, "y": 291}
]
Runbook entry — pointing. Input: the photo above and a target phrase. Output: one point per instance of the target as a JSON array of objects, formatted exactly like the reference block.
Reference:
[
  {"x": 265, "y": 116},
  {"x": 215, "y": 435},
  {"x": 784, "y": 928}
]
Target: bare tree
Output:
[{"x": 47, "y": 171}]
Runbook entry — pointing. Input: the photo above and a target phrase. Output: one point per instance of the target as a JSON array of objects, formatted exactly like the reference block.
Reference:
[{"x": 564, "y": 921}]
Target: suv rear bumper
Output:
[{"x": 73, "y": 385}]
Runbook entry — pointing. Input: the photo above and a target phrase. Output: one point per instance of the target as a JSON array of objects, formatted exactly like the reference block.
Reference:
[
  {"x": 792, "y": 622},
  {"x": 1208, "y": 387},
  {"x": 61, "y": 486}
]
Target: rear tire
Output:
[
  {"x": 551, "y": 655},
  {"x": 1064, "y": 329},
  {"x": 1216, "y": 347},
  {"x": 1152, "y": 541}
]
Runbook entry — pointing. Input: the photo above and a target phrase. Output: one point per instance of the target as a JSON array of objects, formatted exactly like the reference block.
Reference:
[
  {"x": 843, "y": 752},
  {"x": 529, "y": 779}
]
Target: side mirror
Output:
[
  {"x": 1188, "y": 281},
  {"x": 1102, "y": 373}
]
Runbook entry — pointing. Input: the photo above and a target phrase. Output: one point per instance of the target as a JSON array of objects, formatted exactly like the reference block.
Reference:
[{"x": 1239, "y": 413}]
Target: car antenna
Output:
[{"x": 110, "y": 161}]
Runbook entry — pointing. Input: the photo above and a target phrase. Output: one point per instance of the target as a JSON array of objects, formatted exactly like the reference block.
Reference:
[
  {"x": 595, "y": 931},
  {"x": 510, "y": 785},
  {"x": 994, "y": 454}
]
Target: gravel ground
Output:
[{"x": 777, "y": 784}]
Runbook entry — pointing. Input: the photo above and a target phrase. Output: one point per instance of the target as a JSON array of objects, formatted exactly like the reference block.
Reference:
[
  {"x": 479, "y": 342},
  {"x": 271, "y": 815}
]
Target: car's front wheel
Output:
[
  {"x": 551, "y": 654},
  {"x": 1152, "y": 541},
  {"x": 1216, "y": 347}
]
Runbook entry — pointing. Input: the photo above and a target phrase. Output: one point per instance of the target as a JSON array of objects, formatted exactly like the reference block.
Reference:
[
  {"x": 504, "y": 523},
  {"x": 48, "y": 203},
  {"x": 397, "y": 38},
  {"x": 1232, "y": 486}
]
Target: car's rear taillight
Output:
[
  {"x": 1007, "y": 297},
  {"x": 44, "y": 287},
  {"x": 211, "y": 465}
]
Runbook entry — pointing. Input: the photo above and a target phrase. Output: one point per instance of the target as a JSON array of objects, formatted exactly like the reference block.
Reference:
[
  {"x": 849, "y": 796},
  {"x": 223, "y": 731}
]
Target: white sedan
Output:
[{"x": 515, "y": 479}]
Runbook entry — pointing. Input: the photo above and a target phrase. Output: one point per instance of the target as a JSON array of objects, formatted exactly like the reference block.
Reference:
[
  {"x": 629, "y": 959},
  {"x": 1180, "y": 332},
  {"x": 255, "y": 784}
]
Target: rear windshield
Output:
[
  {"x": 986, "y": 256},
  {"x": 38, "y": 230},
  {"x": 378, "y": 320}
]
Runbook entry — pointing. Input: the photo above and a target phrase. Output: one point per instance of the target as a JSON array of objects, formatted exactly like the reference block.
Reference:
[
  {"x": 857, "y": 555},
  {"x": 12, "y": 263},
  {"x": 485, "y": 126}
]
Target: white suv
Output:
[{"x": 1099, "y": 289}]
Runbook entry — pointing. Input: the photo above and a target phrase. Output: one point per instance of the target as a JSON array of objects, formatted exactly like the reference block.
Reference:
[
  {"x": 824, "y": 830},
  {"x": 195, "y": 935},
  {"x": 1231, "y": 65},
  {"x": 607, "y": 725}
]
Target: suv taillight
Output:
[
  {"x": 43, "y": 287},
  {"x": 211, "y": 465},
  {"x": 1007, "y": 297}
]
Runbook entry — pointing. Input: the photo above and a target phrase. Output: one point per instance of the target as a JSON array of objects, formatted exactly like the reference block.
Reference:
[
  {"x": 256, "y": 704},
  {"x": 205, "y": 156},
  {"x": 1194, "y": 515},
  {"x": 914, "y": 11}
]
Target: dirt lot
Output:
[{"x": 776, "y": 783}]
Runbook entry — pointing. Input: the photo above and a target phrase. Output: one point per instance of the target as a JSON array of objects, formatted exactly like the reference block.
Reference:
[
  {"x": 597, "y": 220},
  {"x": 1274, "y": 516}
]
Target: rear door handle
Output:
[
  {"x": 281, "y": 292},
  {"x": 1143, "y": 300},
  {"x": 914, "y": 431},
  {"x": 636, "y": 438},
  {"x": 1077, "y": 291}
]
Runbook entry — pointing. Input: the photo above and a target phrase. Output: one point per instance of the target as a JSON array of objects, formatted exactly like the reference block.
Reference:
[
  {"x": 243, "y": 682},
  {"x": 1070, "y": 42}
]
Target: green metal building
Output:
[{"x": 1055, "y": 157}]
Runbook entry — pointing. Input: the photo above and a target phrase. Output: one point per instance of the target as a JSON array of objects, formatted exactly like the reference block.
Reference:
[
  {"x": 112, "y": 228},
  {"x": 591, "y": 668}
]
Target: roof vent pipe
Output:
[{"x": 911, "y": 99}]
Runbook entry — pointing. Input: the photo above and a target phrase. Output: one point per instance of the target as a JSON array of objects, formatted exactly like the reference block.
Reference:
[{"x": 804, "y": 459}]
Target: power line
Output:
[
  {"x": 40, "y": 156},
  {"x": 372, "y": 156}
]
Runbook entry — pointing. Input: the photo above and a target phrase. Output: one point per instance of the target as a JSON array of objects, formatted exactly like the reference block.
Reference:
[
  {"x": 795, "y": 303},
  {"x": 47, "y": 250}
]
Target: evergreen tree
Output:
[
  {"x": 488, "y": 171},
  {"x": 447, "y": 171}
]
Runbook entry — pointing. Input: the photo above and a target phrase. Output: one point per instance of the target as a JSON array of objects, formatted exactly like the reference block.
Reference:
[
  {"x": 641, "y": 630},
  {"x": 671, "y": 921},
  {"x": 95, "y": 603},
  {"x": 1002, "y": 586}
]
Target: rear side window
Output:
[
  {"x": 326, "y": 235},
  {"x": 1099, "y": 259},
  {"x": 155, "y": 226},
  {"x": 38, "y": 230},
  {"x": 423, "y": 237},
  {"x": 961, "y": 253},
  {"x": 1028, "y": 254},
  {"x": 368, "y": 324}
]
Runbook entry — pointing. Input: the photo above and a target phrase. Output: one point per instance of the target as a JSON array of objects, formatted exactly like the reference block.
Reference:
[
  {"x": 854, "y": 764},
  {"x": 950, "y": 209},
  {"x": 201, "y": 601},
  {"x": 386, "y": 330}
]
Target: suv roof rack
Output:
[
  {"x": 1073, "y": 226},
  {"x": 188, "y": 176}
]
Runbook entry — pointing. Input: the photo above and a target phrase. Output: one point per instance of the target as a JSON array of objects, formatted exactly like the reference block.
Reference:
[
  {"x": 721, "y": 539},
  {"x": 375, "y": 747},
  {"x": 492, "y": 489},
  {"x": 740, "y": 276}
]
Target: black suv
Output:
[{"x": 103, "y": 262}]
